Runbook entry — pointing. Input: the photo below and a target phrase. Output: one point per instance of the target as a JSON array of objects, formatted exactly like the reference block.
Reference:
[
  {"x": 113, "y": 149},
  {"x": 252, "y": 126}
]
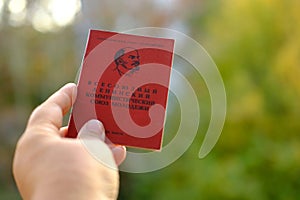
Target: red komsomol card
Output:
[{"x": 124, "y": 82}]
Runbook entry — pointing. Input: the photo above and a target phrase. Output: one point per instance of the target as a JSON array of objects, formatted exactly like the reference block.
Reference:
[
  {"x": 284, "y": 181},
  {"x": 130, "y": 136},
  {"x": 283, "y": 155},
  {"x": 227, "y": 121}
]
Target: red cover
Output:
[{"x": 124, "y": 83}]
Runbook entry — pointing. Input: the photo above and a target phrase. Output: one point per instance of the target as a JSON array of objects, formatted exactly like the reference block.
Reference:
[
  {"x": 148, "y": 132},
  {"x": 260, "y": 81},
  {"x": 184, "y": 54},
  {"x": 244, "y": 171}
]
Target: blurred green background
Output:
[{"x": 256, "y": 46}]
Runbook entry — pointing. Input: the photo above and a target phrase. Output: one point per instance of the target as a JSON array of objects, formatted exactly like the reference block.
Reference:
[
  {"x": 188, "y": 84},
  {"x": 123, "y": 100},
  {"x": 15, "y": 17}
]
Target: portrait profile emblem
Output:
[{"x": 127, "y": 59}]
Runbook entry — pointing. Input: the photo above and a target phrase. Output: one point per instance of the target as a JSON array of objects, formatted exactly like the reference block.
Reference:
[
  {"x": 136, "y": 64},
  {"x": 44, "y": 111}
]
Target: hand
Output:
[{"x": 48, "y": 166}]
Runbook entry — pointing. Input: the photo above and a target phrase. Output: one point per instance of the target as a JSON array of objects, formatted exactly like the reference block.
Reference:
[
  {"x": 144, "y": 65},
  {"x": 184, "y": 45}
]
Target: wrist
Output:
[
  {"x": 86, "y": 187},
  {"x": 66, "y": 192}
]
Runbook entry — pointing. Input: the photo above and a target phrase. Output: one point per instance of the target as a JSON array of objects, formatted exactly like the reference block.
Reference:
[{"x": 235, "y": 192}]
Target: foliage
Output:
[{"x": 256, "y": 46}]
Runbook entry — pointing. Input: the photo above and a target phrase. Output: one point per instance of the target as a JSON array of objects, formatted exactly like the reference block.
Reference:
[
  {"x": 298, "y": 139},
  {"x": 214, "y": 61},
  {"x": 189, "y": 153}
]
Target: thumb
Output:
[
  {"x": 93, "y": 129},
  {"x": 92, "y": 136}
]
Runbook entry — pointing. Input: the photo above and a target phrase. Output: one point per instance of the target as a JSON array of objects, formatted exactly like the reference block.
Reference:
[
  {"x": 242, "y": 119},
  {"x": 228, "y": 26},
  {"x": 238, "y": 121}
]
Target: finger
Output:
[
  {"x": 49, "y": 115},
  {"x": 63, "y": 131},
  {"x": 92, "y": 136},
  {"x": 93, "y": 129},
  {"x": 119, "y": 153}
]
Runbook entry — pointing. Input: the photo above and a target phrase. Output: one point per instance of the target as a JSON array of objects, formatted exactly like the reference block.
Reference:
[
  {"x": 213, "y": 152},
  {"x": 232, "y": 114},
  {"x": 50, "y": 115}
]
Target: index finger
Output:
[{"x": 48, "y": 116}]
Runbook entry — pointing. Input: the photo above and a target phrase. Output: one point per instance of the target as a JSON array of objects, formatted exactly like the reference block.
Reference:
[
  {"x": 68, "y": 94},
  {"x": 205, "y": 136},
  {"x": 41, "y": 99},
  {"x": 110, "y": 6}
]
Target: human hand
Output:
[{"x": 49, "y": 166}]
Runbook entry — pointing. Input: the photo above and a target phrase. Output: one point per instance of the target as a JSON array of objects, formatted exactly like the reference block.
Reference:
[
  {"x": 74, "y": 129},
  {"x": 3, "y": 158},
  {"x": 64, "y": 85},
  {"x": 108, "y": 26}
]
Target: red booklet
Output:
[{"x": 124, "y": 82}]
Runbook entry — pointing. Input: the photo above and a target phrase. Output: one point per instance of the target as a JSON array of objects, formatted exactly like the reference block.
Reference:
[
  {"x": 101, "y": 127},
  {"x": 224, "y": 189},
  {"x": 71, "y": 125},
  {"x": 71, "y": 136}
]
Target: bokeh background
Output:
[{"x": 256, "y": 46}]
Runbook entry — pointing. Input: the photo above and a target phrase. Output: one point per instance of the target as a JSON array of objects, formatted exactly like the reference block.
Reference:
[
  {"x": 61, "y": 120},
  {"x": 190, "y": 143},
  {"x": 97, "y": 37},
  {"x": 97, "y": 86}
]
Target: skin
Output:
[{"x": 47, "y": 165}]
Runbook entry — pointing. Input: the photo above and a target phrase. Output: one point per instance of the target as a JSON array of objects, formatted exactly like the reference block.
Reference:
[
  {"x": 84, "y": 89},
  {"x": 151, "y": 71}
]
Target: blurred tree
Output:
[
  {"x": 256, "y": 47},
  {"x": 32, "y": 66}
]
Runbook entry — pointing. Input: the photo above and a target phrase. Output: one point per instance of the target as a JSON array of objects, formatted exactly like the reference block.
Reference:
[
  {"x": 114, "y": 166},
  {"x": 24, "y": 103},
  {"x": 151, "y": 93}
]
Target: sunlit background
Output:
[{"x": 255, "y": 44}]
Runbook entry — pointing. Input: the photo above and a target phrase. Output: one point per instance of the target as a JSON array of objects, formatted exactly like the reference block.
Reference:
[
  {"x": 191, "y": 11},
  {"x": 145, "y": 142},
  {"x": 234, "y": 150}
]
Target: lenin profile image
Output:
[{"x": 127, "y": 59}]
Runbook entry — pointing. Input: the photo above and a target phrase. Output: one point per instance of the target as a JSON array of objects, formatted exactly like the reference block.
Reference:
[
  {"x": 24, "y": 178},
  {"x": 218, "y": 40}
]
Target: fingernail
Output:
[
  {"x": 119, "y": 153},
  {"x": 74, "y": 94},
  {"x": 118, "y": 148},
  {"x": 72, "y": 86},
  {"x": 94, "y": 126}
]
